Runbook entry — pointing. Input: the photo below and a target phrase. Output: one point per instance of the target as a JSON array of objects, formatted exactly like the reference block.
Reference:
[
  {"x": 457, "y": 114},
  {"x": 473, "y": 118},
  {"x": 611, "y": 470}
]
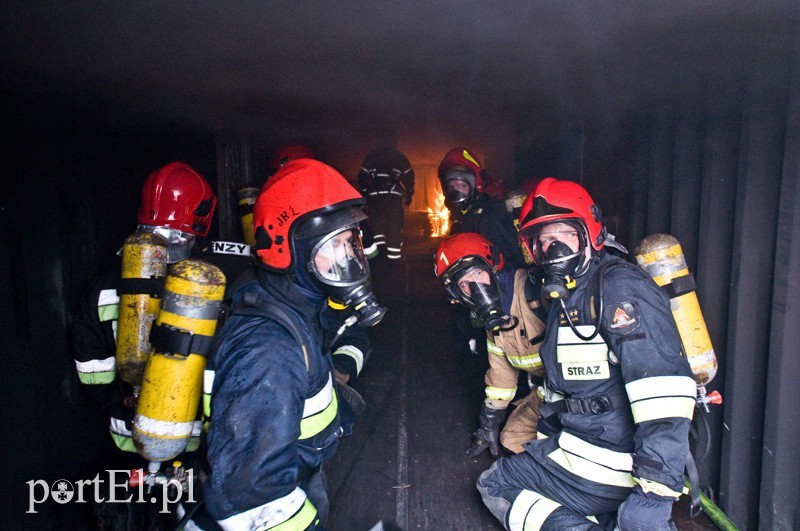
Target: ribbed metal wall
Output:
[{"x": 723, "y": 180}]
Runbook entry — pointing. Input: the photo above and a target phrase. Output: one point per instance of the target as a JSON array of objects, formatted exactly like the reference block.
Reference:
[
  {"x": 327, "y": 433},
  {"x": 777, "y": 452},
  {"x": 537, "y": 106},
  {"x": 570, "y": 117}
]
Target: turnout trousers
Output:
[
  {"x": 386, "y": 218},
  {"x": 526, "y": 496}
]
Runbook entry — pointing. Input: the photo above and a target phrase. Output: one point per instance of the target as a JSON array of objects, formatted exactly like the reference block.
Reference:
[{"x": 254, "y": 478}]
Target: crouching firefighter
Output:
[
  {"x": 620, "y": 393},
  {"x": 269, "y": 383},
  {"x": 474, "y": 273}
]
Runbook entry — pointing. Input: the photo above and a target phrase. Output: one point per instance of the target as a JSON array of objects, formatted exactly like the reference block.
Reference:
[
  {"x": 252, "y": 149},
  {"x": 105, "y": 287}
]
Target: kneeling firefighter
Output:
[
  {"x": 272, "y": 405},
  {"x": 620, "y": 394},
  {"x": 475, "y": 274}
]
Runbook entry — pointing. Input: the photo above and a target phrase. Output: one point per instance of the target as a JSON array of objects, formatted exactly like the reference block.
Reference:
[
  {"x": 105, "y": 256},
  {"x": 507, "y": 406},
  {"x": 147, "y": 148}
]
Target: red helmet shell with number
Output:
[
  {"x": 178, "y": 197},
  {"x": 558, "y": 200},
  {"x": 454, "y": 250},
  {"x": 460, "y": 159},
  {"x": 286, "y": 154},
  {"x": 303, "y": 193}
]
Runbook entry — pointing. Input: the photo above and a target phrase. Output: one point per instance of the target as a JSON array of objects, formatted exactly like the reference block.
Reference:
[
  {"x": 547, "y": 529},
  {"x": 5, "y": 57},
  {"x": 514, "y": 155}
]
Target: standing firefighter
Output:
[
  {"x": 177, "y": 205},
  {"x": 474, "y": 273},
  {"x": 620, "y": 393},
  {"x": 272, "y": 405},
  {"x": 386, "y": 179},
  {"x": 111, "y": 331}
]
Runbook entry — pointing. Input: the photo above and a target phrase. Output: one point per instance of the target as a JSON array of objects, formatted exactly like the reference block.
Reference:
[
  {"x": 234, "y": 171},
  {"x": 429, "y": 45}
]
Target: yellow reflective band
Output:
[
  {"x": 663, "y": 408},
  {"x": 594, "y": 463},
  {"x": 529, "y": 511},
  {"x": 108, "y": 313},
  {"x": 352, "y": 352},
  {"x": 604, "y": 456},
  {"x": 656, "y": 488},
  {"x": 589, "y": 470},
  {"x": 525, "y": 362},
  {"x": 207, "y": 405},
  {"x": 315, "y": 424},
  {"x": 582, "y": 353},
  {"x": 123, "y": 443},
  {"x": 500, "y": 393},
  {"x": 193, "y": 445},
  {"x": 97, "y": 378},
  {"x": 293, "y": 512},
  {"x": 492, "y": 348},
  {"x": 301, "y": 520},
  {"x": 661, "y": 386}
]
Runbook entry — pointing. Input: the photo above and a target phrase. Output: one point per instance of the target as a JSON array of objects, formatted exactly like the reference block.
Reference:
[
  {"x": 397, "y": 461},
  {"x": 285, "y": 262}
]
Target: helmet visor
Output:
[{"x": 338, "y": 259}]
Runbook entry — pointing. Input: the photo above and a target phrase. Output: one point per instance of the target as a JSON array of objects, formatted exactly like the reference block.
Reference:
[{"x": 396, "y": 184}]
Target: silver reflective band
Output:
[{"x": 319, "y": 401}]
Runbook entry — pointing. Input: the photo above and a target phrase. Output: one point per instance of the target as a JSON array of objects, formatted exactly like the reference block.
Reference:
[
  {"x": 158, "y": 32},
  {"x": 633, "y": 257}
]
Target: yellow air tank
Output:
[
  {"x": 173, "y": 379},
  {"x": 247, "y": 197},
  {"x": 144, "y": 266},
  {"x": 661, "y": 256}
]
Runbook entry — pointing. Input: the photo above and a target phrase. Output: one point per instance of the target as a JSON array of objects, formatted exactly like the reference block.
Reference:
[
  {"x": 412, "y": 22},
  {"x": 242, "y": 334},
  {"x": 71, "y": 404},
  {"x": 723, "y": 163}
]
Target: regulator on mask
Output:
[{"x": 338, "y": 262}]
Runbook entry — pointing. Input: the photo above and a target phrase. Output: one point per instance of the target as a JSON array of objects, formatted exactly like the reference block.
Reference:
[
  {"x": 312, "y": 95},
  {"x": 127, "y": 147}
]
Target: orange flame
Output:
[{"x": 439, "y": 218}]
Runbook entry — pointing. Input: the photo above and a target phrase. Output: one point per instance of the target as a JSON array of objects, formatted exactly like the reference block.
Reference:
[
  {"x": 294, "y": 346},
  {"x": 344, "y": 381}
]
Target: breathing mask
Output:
[
  {"x": 461, "y": 197},
  {"x": 477, "y": 287},
  {"x": 559, "y": 266},
  {"x": 338, "y": 262}
]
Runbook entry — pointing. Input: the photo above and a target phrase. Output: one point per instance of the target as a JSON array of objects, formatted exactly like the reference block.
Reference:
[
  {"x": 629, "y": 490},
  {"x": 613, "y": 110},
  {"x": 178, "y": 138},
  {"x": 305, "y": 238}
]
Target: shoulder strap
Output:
[{"x": 252, "y": 304}]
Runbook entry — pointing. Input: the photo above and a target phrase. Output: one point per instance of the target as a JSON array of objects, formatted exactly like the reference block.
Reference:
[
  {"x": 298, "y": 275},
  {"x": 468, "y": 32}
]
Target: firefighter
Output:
[
  {"x": 619, "y": 392},
  {"x": 272, "y": 407},
  {"x": 178, "y": 205},
  {"x": 386, "y": 179},
  {"x": 353, "y": 352},
  {"x": 472, "y": 210},
  {"x": 475, "y": 274}
]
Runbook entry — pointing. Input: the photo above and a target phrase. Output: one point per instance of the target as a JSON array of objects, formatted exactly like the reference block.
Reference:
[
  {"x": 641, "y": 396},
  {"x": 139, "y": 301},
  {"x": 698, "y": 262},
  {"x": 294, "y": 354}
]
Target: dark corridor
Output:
[{"x": 680, "y": 117}]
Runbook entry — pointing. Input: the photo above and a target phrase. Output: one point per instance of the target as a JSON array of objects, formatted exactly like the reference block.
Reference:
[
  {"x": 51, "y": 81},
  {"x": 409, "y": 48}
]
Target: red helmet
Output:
[
  {"x": 462, "y": 251},
  {"x": 286, "y": 154},
  {"x": 460, "y": 163},
  {"x": 178, "y": 197},
  {"x": 556, "y": 200},
  {"x": 304, "y": 198}
]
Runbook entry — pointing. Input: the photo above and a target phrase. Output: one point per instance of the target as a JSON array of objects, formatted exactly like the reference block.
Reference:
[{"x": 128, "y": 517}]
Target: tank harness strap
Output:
[
  {"x": 252, "y": 304},
  {"x": 694, "y": 485},
  {"x": 179, "y": 342},
  {"x": 679, "y": 286},
  {"x": 141, "y": 286},
  {"x": 587, "y": 406}
]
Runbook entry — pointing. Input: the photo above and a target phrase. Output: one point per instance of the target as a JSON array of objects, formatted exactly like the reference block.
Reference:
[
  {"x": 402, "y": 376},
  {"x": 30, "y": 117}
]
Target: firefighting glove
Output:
[
  {"x": 645, "y": 512},
  {"x": 488, "y": 434},
  {"x": 407, "y": 200}
]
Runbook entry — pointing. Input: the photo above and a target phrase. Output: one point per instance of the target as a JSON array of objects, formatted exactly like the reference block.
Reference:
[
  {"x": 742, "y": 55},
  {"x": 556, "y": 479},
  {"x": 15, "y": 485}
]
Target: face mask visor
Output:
[{"x": 338, "y": 259}]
